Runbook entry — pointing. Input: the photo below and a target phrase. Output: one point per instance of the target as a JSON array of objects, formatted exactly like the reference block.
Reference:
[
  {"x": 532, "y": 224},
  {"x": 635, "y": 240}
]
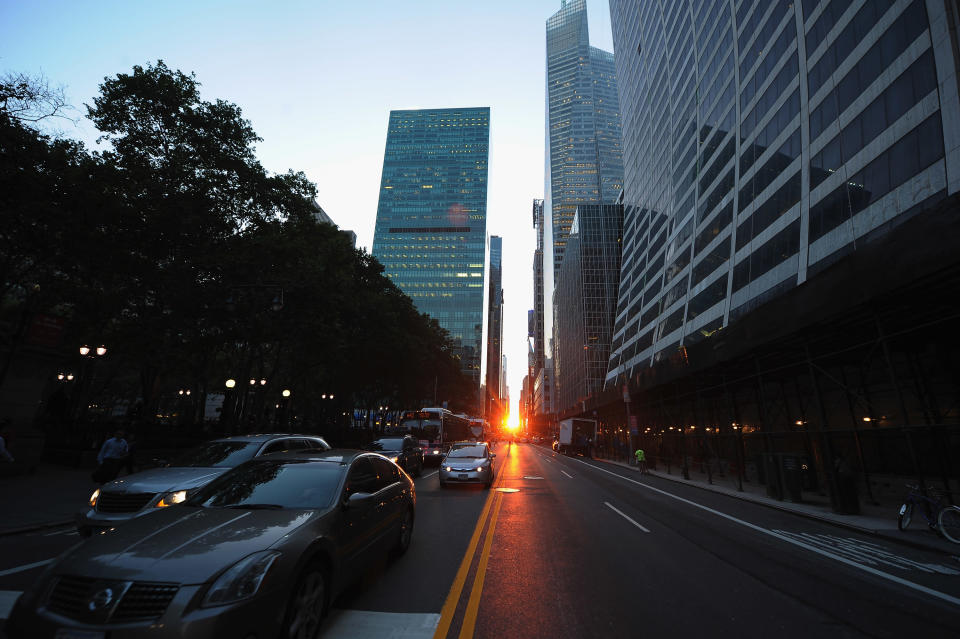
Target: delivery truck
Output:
[{"x": 576, "y": 436}]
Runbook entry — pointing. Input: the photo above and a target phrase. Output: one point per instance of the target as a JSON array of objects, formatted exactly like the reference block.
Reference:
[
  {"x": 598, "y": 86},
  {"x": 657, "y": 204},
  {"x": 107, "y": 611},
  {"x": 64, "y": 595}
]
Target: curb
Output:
[
  {"x": 826, "y": 520},
  {"x": 8, "y": 532}
]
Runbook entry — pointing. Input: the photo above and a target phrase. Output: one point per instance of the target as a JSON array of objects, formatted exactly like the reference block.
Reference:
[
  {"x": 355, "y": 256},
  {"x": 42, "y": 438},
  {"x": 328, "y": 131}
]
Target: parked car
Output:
[
  {"x": 136, "y": 495},
  {"x": 403, "y": 451},
  {"x": 468, "y": 463},
  {"x": 260, "y": 551}
]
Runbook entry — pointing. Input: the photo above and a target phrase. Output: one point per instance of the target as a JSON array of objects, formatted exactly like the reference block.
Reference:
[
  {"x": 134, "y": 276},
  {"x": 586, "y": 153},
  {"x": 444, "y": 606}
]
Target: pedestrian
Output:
[
  {"x": 641, "y": 461},
  {"x": 111, "y": 458},
  {"x": 5, "y": 438}
]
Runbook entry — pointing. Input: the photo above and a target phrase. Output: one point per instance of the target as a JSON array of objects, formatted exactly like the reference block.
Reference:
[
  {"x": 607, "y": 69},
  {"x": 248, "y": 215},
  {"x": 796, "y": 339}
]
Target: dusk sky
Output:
[{"x": 317, "y": 81}]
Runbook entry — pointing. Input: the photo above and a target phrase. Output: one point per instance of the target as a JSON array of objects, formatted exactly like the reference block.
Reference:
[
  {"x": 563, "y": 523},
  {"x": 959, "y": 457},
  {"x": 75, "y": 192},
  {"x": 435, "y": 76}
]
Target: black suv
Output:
[{"x": 404, "y": 450}]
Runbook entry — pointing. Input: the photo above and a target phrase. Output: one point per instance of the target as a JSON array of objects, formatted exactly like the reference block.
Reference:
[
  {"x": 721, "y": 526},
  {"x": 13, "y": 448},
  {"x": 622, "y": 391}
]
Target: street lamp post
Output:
[{"x": 90, "y": 356}]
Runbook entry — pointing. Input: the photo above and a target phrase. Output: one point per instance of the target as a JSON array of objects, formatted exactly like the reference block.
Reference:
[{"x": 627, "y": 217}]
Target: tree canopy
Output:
[{"x": 178, "y": 249}]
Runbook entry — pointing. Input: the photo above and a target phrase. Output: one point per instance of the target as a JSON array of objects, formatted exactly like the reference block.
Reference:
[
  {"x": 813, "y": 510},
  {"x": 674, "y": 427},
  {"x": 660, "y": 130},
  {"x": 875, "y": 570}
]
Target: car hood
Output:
[
  {"x": 181, "y": 544},
  {"x": 162, "y": 480},
  {"x": 464, "y": 462}
]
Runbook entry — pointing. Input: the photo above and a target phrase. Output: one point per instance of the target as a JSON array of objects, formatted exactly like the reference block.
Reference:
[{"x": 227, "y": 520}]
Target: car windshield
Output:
[
  {"x": 264, "y": 483},
  {"x": 219, "y": 454},
  {"x": 385, "y": 444},
  {"x": 468, "y": 451}
]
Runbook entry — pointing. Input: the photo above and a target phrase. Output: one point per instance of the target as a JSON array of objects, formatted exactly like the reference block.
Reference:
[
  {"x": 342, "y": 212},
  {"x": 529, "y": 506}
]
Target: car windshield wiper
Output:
[{"x": 257, "y": 506}]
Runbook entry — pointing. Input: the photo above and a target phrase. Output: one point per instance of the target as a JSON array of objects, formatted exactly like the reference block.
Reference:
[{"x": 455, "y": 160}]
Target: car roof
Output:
[
  {"x": 335, "y": 455},
  {"x": 264, "y": 437}
]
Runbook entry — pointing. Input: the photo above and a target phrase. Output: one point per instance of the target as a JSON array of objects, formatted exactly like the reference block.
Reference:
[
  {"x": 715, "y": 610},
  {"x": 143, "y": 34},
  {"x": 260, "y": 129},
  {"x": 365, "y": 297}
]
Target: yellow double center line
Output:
[{"x": 491, "y": 509}]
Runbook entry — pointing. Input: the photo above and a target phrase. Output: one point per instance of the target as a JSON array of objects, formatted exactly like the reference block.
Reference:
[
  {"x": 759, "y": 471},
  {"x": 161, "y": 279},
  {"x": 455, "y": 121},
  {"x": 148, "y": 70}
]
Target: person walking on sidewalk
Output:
[
  {"x": 641, "y": 461},
  {"x": 111, "y": 458}
]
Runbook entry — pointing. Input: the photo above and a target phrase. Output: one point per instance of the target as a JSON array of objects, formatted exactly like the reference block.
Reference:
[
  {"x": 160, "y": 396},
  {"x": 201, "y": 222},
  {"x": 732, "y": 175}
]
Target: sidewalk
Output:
[
  {"x": 49, "y": 496},
  {"x": 876, "y": 520}
]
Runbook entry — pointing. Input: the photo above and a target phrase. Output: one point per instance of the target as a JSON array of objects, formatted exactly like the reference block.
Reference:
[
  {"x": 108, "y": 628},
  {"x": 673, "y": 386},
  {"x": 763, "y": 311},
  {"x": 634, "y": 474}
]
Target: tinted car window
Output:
[
  {"x": 387, "y": 472},
  {"x": 263, "y": 482},
  {"x": 362, "y": 477},
  {"x": 468, "y": 451},
  {"x": 218, "y": 454},
  {"x": 386, "y": 444}
]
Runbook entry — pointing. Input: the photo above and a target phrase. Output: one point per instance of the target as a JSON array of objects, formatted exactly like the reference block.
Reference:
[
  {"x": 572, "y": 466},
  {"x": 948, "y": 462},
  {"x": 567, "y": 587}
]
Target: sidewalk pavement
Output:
[
  {"x": 878, "y": 520},
  {"x": 47, "y": 497}
]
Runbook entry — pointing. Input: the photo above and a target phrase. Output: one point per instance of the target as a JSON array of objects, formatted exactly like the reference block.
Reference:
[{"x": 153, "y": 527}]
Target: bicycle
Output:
[{"x": 942, "y": 518}]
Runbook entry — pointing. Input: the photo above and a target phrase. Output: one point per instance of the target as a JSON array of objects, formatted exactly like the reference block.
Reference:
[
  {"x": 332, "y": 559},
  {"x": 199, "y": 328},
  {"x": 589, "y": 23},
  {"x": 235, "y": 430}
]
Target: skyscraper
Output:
[
  {"x": 536, "y": 328},
  {"x": 764, "y": 143},
  {"x": 583, "y": 109},
  {"x": 495, "y": 330},
  {"x": 431, "y": 225}
]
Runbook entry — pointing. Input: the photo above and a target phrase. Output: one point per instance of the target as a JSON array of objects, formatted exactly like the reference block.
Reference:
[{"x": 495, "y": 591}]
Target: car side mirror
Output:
[
  {"x": 493, "y": 455},
  {"x": 355, "y": 499}
]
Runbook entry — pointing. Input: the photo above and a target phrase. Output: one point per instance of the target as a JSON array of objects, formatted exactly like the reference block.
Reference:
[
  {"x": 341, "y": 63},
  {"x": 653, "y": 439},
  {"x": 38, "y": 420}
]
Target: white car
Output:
[{"x": 468, "y": 464}]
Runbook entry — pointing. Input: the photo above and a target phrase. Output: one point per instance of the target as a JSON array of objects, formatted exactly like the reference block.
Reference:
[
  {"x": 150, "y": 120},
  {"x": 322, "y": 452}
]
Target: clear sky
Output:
[{"x": 317, "y": 79}]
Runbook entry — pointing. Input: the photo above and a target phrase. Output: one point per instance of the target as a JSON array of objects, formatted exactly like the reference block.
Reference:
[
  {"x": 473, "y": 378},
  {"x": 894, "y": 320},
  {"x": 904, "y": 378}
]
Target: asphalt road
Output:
[{"x": 570, "y": 547}]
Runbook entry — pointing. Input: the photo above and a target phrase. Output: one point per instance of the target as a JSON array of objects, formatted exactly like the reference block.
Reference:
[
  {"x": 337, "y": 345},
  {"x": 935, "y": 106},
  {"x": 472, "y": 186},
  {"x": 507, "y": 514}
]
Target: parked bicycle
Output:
[{"x": 940, "y": 516}]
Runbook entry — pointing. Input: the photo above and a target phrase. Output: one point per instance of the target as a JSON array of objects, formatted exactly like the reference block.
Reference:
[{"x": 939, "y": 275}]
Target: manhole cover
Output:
[
  {"x": 532, "y": 477},
  {"x": 508, "y": 490}
]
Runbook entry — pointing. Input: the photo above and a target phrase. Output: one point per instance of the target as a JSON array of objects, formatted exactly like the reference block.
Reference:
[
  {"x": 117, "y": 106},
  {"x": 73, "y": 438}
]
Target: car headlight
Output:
[
  {"x": 448, "y": 468},
  {"x": 240, "y": 581},
  {"x": 172, "y": 499},
  {"x": 394, "y": 459},
  {"x": 94, "y": 497},
  {"x": 479, "y": 469}
]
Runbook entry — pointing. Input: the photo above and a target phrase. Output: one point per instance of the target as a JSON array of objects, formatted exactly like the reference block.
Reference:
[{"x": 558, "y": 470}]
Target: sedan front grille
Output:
[
  {"x": 70, "y": 596},
  {"x": 144, "y": 601},
  {"x": 123, "y": 502},
  {"x": 82, "y": 598}
]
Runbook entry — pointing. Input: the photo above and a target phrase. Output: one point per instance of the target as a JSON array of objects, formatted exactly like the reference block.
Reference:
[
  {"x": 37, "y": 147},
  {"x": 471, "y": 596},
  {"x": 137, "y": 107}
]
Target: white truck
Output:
[{"x": 576, "y": 436}]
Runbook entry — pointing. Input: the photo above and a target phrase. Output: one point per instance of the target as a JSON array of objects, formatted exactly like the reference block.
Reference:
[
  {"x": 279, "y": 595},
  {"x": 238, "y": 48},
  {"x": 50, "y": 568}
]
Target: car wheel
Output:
[
  {"x": 307, "y": 605},
  {"x": 406, "y": 533},
  {"x": 443, "y": 484}
]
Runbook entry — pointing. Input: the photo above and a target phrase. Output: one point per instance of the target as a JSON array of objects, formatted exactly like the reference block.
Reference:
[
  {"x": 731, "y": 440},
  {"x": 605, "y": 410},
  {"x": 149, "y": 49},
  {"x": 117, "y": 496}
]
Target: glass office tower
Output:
[
  {"x": 583, "y": 114},
  {"x": 431, "y": 226},
  {"x": 764, "y": 141}
]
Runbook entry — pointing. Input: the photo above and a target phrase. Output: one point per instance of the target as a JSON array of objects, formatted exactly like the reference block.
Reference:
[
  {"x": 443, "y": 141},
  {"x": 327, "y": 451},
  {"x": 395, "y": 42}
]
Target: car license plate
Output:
[
  {"x": 463, "y": 475},
  {"x": 69, "y": 633}
]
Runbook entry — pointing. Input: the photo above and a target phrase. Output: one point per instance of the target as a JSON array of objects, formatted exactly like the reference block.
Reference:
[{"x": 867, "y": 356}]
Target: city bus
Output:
[{"x": 435, "y": 429}]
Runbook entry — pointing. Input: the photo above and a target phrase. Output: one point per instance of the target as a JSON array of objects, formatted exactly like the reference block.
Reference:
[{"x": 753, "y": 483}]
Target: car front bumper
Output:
[
  {"x": 255, "y": 618},
  {"x": 469, "y": 476}
]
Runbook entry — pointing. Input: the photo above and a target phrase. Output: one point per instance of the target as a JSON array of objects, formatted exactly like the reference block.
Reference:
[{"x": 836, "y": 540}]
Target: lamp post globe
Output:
[
  {"x": 230, "y": 383},
  {"x": 84, "y": 350}
]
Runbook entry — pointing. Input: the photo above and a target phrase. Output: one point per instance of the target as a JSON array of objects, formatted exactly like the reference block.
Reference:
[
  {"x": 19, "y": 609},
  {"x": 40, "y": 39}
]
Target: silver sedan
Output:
[
  {"x": 466, "y": 464},
  {"x": 266, "y": 545}
]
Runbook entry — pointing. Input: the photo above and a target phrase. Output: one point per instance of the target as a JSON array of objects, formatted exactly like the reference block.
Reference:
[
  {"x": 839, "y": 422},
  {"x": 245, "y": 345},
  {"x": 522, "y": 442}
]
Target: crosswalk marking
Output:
[
  {"x": 867, "y": 552},
  {"x": 344, "y": 624},
  {"x": 7, "y": 599}
]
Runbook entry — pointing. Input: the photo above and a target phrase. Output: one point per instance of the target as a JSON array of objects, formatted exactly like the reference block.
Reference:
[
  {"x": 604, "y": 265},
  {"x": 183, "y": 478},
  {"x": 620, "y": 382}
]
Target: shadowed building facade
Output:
[{"x": 431, "y": 225}]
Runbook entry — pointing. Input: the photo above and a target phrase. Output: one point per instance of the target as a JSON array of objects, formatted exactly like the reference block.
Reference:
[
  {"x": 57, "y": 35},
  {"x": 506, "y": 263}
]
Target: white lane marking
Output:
[
  {"x": 68, "y": 531},
  {"x": 567, "y": 474},
  {"x": 868, "y": 553},
  {"x": 431, "y": 474},
  {"x": 36, "y": 564},
  {"x": 344, "y": 624},
  {"x": 789, "y": 540},
  {"x": 625, "y": 516},
  {"x": 7, "y": 599},
  {"x": 531, "y": 477}
]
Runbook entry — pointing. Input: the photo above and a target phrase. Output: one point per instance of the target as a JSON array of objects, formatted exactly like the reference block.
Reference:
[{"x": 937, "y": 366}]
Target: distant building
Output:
[
  {"x": 586, "y": 299},
  {"x": 431, "y": 225},
  {"x": 322, "y": 218},
  {"x": 535, "y": 329},
  {"x": 494, "y": 378},
  {"x": 543, "y": 390}
]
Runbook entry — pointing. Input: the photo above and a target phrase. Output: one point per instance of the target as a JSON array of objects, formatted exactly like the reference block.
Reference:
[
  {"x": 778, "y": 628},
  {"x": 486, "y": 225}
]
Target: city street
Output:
[{"x": 571, "y": 547}]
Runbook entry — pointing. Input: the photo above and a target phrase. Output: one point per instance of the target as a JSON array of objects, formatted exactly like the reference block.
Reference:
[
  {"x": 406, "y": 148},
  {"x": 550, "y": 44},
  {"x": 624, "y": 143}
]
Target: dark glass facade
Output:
[
  {"x": 762, "y": 141},
  {"x": 587, "y": 294},
  {"x": 494, "y": 380},
  {"x": 431, "y": 226}
]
